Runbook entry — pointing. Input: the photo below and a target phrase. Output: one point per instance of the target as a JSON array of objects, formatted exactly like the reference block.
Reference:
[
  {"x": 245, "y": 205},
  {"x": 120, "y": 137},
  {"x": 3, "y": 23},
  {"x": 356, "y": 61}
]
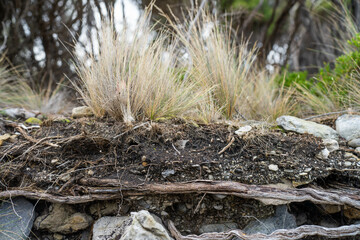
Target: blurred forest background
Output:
[
  {"x": 299, "y": 33},
  {"x": 38, "y": 36}
]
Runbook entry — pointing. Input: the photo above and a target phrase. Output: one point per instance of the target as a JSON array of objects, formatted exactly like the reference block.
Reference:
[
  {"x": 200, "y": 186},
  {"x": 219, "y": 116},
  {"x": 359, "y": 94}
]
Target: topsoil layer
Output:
[{"x": 61, "y": 155}]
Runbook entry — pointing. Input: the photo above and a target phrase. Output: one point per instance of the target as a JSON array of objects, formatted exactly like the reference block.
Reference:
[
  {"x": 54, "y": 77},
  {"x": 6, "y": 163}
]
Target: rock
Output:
[
  {"x": 243, "y": 130},
  {"x": 348, "y": 126},
  {"x": 18, "y": 113},
  {"x": 167, "y": 173},
  {"x": 347, "y": 164},
  {"x": 108, "y": 228},
  {"x": 302, "y": 126},
  {"x": 331, "y": 144},
  {"x": 63, "y": 219},
  {"x": 331, "y": 209},
  {"x": 273, "y": 167},
  {"x": 354, "y": 143},
  {"x": 18, "y": 224},
  {"x": 281, "y": 220},
  {"x": 219, "y": 196},
  {"x": 144, "y": 226},
  {"x": 80, "y": 112},
  {"x": 357, "y": 150},
  {"x": 323, "y": 154},
  {"x": 351, "y": 213},
  {"x": 350, "y": 156},
  {"x": 218, "y": 207},
  {"x": 219, "y": 227}
]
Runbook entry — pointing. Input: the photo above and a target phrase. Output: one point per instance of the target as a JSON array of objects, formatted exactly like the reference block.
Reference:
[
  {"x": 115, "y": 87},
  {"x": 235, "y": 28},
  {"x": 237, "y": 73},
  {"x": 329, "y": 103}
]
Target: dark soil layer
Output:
[{"x": 59, "y": 155}]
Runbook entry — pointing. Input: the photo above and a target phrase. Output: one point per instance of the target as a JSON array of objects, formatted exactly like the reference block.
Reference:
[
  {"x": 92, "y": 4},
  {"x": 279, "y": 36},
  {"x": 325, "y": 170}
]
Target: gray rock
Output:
[
  {"x": 302, "y": 126},
  {"x": 18, "y": 113},
  {"x": 167, "y": 173},
  {"x": 348, "y": 126},
  {"x": 63, "y": 219},
  {"x": 16, "y": 219},
  {"x": 331, "y": 144},
  {"x": 281, "y": 220},
  {"x": 357, "y": 150},
  {"x": 354, "y": 143},
  {"x": 108, "y": 228},
  {"x": 323, "y": 154},
  {"x": 144, "y": 226},
  {"x": 220, "y": 227},
  {"x": 80, "y": 112}
]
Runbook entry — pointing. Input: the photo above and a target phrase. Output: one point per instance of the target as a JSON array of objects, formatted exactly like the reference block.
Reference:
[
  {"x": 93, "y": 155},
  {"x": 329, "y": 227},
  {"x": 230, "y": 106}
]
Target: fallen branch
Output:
[{"x": 281, "y": 234}]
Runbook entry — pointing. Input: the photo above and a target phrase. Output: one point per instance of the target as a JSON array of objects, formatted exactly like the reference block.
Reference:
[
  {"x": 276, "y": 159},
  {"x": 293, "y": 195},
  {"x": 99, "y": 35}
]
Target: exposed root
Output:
[{"x": 281, "y": 234}]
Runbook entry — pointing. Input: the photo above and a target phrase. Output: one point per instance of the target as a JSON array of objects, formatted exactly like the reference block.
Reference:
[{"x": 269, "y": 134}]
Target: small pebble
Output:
[
  {"x": 350, "y": 156},
  {"x": 211, "y": 177},
  {"x": 218, "y": 207},
  {"x": 303, "y": 174},
  {"x": 357, "y": 150},
  {"x": 273, "y": 167},
  {"x": 347, "y": 164},
  {"x": 324, "y": 154},
  {"x": 308, "y": 169}
]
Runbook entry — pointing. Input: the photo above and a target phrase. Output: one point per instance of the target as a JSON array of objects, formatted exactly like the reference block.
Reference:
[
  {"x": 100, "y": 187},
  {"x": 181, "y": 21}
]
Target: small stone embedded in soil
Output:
[
  {"x": 354, "y": 143},
  {"x": 219, "y": 196},
  {"x": 273, "y": 167},
  {"x": 350, "y": 156},
  {"x": 168, "y": 173},
  {"x": 331, "y": 144},
  {"x": 218, "y": 207},
  {"x": 243, "y": 130},
  {"x": 180, "y": 144},
  {"x": 347, "y": 164},
  {"x": 323, "y": 154},
  {"x": 357, "y": 150}
]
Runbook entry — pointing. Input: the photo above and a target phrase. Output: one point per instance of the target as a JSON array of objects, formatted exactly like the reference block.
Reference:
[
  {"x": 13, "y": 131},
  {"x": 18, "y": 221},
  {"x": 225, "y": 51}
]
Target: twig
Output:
[{"x": 227, "y": 146}]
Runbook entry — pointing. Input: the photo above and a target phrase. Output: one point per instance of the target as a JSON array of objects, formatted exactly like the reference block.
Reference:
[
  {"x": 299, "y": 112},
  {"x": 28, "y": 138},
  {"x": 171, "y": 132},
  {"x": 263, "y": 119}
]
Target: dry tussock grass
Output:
[{"x": 134, "y": 78}]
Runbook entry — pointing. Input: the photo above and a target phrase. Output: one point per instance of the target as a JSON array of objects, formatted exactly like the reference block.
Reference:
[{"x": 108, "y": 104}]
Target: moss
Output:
[{"x": 33, "y": 121}]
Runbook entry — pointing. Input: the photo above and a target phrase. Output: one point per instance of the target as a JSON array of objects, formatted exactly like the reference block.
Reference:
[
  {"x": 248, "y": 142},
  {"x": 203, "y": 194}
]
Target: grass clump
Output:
[
  {"x": 229, "y": 70},
  {"x": 134, "y": 77}
]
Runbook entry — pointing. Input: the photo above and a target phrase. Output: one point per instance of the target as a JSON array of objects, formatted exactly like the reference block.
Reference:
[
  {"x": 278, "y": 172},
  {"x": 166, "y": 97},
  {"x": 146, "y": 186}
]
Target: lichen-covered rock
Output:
[
  {"x": 298, "y": 125},
  {"x": 348, "y": 126},
  {"x": 109, "y": 228},
  {"x": 80, "y": 112},
  {"x": 63, "y": 219},
  {"x": 140, "y": 225},
  {"x": 145, "y": 226}
]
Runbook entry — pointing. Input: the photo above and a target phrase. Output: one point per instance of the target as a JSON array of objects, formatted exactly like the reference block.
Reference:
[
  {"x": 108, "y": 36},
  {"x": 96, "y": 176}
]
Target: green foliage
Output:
[{"x": 290, "y": 78}]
